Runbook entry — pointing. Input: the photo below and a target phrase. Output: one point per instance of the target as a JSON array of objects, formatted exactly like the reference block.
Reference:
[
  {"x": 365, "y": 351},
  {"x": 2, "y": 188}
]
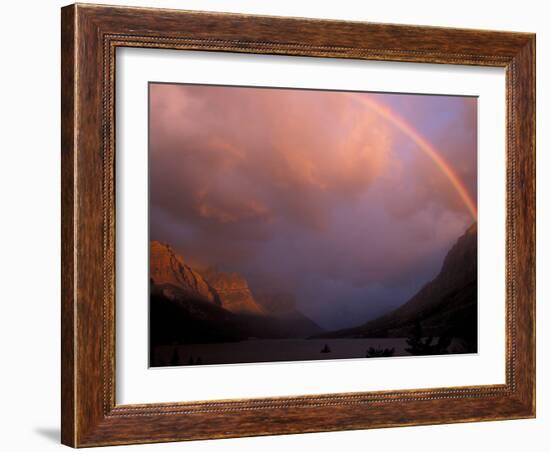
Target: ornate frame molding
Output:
[{"x": 90, "y": 37}]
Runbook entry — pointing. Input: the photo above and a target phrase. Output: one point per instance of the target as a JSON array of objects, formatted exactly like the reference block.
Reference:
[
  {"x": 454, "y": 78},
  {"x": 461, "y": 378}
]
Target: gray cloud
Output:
[{"x": 307, "y": 191}]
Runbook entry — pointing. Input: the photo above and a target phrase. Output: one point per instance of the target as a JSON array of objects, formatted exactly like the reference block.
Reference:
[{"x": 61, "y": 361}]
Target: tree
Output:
[
  {"x": 380, "y": 352},
  {"x": 420, "y": 346}
]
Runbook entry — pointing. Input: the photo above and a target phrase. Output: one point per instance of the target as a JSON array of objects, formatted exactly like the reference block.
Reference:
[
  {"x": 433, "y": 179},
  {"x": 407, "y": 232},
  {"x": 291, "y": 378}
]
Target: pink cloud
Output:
[{"x": 307, "y": 189}]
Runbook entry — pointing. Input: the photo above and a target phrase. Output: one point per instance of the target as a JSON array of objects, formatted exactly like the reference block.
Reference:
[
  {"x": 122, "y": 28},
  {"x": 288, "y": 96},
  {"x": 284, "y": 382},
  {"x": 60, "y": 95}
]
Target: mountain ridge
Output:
[
  {"x": 228, "y": 290},
  {"x": 444, "y": 306},
  {"x": 189, "y": 305}
]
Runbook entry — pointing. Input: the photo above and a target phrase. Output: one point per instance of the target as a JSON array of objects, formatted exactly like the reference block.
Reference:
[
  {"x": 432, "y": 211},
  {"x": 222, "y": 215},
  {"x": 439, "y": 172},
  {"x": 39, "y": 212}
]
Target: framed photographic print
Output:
[{"x": 281, "y": 225}]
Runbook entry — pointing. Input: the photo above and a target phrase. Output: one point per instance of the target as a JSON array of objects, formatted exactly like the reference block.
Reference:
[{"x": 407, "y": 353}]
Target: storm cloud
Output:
[{"x": 309, "y": 192}]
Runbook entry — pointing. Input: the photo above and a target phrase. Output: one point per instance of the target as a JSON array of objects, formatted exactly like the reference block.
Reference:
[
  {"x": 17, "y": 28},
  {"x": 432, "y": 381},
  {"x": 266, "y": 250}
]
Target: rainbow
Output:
[{"x": 425, "y": 146}]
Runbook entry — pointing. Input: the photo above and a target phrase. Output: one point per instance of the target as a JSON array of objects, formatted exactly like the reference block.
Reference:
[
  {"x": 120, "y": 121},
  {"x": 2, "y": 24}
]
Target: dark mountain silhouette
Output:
[
  {"x": 444, "y": 307},
  {"x": 282, "y": 305},
  {"x": 204, "y": 306}
]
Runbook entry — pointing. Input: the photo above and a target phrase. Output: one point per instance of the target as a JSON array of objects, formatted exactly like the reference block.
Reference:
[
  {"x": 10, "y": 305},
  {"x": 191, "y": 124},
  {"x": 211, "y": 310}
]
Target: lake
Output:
[{"x": 270, "y": 350}]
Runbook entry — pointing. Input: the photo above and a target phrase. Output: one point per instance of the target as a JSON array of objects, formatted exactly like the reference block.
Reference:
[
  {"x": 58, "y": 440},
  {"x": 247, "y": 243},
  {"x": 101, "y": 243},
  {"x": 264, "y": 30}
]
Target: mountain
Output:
[
  {"x": 228, "y": 290},
  {"x": 233, "y": 291},
  {"x": 202, "y": 306},
  {"x": 294, "y": 321},
  {"x": 165, "y": 267},
  {"x": 445, "y": 306},
  {"x": 177, "y": 316},
  {"x": 282, "y": 305}
]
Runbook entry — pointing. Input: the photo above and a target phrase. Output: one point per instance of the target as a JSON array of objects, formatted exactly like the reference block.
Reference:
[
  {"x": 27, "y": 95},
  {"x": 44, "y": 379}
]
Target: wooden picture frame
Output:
[{"x": 90, "y": 36}]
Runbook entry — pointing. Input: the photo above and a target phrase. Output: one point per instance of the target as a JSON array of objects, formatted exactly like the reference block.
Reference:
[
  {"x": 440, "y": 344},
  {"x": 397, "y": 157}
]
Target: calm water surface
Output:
[{"x": 269, "y": 350}]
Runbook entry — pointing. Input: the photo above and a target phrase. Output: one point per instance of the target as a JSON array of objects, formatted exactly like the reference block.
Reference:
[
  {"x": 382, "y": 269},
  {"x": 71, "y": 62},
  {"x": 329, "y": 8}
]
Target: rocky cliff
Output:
[
  {"x": 233, "y": 291},
  {"x": 192, "y": 306},
  {"x": 228, "y": 290},
  {"x": 168, "y": 268}
]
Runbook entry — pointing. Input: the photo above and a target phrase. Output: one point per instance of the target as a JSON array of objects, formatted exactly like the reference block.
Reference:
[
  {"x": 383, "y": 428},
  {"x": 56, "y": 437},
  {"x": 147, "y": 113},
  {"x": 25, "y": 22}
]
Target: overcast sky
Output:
[{"x": 310, "y": 192}]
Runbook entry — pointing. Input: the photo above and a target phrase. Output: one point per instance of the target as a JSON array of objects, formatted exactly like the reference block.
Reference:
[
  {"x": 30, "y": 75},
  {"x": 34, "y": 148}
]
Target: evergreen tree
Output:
[
  {"x": 421, "y": 346},
  {"x": 380, "y": 352}
]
